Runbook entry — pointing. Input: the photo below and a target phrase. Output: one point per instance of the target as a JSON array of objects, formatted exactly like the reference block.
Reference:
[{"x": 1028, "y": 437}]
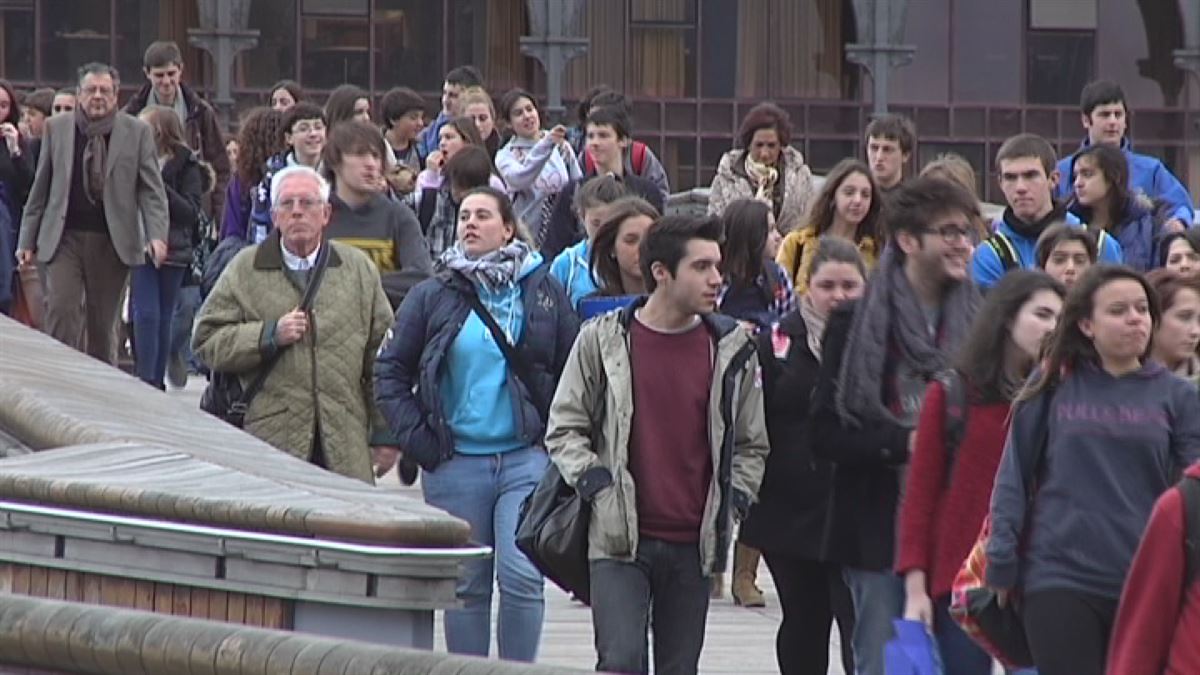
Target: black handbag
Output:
[
  {"x": 552, "y": 526},
  {"x": 224, "y": 396}
]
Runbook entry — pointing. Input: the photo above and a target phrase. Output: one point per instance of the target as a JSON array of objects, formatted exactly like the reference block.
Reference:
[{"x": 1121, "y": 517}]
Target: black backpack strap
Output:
[
  {"x": 1189, "y": 489},
  {"x": 954, "y": 417},
  {"x": 310, "y": 295},
  {"x": 514, "y": 358},
  {"x": 425, "y": 210},
  {"x": 1005, "y": 251}
]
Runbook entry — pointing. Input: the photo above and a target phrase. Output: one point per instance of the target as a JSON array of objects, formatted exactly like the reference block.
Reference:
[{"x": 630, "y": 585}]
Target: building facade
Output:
[{"x": 982, "y": 70}]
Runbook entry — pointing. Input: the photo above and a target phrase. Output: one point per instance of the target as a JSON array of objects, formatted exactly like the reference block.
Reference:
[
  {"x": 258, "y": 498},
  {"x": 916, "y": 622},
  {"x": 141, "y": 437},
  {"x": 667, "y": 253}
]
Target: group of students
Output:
[{"x": 786, "y": 363}]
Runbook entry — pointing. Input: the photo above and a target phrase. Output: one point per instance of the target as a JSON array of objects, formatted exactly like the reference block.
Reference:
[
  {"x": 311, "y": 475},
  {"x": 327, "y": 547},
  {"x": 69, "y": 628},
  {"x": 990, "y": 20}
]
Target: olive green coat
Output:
[{"x": 324, "y": 380}]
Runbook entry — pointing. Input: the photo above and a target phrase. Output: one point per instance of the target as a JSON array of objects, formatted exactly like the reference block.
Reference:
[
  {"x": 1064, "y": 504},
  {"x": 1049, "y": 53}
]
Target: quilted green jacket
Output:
[{"x": 324, "y": 380}]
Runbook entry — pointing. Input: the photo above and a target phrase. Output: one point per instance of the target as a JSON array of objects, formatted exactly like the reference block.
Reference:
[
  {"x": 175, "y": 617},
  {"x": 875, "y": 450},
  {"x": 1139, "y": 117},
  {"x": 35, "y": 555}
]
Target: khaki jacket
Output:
[
  {"x": 590, "y": 422},
  {"x": 324, "y": 380}
]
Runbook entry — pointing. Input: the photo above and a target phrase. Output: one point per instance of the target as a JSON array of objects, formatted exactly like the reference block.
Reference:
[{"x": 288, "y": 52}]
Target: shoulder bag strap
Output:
[
  {"x": 306, "y": 302},
  {"x": 514, "y": 358}
]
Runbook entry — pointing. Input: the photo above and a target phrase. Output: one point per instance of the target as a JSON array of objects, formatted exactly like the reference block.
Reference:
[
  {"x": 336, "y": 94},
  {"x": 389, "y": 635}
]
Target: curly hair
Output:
[
  {"x": 765, "y": 116},
  {"x": 259, "y": 139}
]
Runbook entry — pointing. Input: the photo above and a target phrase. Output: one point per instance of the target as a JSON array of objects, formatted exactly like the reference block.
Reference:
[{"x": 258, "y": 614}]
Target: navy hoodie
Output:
[{"x": 1114, "y": 445}]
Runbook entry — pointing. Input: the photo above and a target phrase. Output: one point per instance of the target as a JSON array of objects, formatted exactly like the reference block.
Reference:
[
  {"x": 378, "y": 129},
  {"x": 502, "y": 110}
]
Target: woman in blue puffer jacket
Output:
[{"x": 1102, "y": 199}]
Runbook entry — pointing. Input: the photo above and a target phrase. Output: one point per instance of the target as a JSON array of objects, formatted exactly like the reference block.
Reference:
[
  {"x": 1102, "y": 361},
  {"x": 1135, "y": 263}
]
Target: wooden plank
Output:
[
  {"x": 6, "y": 577},
  {"x": 118, "y": 592},
  {"x": 144, "y": 595},
  {"x": 181, "y": 601},
  {"x": 236, "y": 611},
  {"x": 163, "y": 598},
  {"x": 37, "y": 581},
  {"x": 218, "y": 605},
  {"x": 56, "y": 584},
  {"x": 91, "y": 588},
  {"x": 254, "y": 610},
  {"x": 20, "y": 583},
  {"x": 277, "y": 613},
  {"x": 199, "y": 607},
  {"x": 73, "y": 586}
]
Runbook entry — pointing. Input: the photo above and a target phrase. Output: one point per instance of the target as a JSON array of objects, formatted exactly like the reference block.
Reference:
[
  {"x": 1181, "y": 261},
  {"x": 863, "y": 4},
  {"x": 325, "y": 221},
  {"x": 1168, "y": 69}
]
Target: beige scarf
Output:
[
  {"x": 95, "y": 153},
  {"x": 814, "y": 325},
  {"x": 765, "y": 177}
]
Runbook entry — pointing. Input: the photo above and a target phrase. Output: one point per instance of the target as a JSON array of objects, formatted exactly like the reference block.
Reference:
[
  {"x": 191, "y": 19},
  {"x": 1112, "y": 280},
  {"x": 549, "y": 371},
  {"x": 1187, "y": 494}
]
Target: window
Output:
[
  {"x": 604, "y": 62},
  {"x": 408, "y": 41},
  {"x": 487, "y": 34},
  {"x": 781, "y": 48},
  {"x": 1062, "y": 14},
  {"x": 75, "y": 33},
  {"x": 1059, "y": 64},
  {"x": 138, "y": 24},
  {"x": 662, "y": 54},
  {"x": 16, "y": 36},
  {"x": 274, "y": 58},
  {"x": 335, "y": 43}
]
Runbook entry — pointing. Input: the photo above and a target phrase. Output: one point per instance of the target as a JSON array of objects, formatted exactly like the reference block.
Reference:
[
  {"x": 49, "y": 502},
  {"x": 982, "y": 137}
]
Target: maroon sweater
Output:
[
  {"x": 939, "y": 519},
  {"x": 1158, "y": 624},
  {"x": 669, "y": 453}
]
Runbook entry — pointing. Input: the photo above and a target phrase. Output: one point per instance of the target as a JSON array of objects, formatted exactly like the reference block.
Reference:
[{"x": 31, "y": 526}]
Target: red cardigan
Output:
[
  {"x": 1157, "y": 630},
  {"x": 940, "y": 520}
]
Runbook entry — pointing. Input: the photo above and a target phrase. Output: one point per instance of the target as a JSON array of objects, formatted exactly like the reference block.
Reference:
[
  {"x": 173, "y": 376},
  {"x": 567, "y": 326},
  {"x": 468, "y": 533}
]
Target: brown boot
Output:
[
  {"x": 718, "y": 586},
  {"x": 745, "y": 570}
]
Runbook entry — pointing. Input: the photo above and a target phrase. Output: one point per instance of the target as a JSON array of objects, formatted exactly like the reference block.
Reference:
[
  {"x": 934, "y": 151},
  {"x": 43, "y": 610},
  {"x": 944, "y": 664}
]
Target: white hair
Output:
[{"x": 298, "y": 170}]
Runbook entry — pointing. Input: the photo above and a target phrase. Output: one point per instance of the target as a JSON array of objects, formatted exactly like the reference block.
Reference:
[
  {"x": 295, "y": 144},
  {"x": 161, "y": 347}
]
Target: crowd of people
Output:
[{"x": 846, "y": 381}]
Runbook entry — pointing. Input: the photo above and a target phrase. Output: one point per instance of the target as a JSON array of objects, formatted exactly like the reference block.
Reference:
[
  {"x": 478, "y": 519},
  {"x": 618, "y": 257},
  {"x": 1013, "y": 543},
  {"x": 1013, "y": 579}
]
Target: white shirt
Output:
[{"x": 295, "y": 262}]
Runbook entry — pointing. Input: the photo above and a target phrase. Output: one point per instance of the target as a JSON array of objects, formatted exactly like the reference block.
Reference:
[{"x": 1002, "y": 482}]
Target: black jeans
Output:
[
  {"x": 1068, "y": 631},
  {"x": 664, "y": 589},
  {"x": 812, "y": 594}
]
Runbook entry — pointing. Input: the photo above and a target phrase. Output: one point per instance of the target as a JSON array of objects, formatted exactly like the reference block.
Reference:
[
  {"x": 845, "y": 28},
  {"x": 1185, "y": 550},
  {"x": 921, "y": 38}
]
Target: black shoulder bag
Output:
[
  {"x": 224, "y": 396},
  {"x": 552, "y": 527}
]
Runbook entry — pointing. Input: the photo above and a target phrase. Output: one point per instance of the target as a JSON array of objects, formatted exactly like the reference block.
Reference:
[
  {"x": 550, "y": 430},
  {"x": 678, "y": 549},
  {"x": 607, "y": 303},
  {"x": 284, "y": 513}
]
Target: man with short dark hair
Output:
[
  {"x": 403, "y": 114},
  {"x": 1025, "y": 163},
  {"x": 456, "y": 81},
  {"x": 1105, "y": 116},
  {"x": 639, "y": 160},
  {"x": 890, "y": 140},
  {"x": 880, "y": 352},
  {"x": 304, "y": 127},
  {"x": 97, "y": 207},
  {"x": 163, "y": 67},
  {"x": 386, "y": 230},
  {"x": 658, "y": 423}
]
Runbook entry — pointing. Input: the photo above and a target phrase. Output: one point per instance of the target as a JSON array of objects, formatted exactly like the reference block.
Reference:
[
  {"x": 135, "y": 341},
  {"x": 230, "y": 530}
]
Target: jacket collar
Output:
[
  {"x": 270, "y": 257},
  {"x": 142, "y": 98},
  {"x": 717, "y": 324}
]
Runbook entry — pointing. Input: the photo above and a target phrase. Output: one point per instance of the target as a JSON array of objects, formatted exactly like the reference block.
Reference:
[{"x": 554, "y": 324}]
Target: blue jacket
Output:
[
  {"x": 413, "y": 359},
  {"x": 1139, "y": 234},
  {"x": 987, "y": 266},
  {"x": 1147, "y": 175},
  {"x": 260, "y": 199},
  {"x": 428, "y": 141},
  {"x": 572, "y": 270}
]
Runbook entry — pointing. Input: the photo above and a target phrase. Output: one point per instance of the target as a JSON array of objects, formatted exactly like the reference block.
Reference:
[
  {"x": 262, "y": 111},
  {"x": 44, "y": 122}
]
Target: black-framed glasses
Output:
[{"x": 952, "y": 233}]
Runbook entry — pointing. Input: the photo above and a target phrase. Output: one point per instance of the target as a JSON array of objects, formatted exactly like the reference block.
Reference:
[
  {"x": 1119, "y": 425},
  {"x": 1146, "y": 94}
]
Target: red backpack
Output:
[{"x": 638, "y": 159}]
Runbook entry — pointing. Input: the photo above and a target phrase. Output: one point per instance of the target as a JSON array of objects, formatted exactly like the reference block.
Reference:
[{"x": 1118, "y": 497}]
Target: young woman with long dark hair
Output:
[
  {"x": 1103, "y": 201},
  {"x": 788, "y": 523},
  {"x": 1177, "y": 337},
  {"x": 1110, "y": 437},
  {"x": 615, "y": 259},
  {"x": 1180, "y": 252},
  {"x": 950, "y": 480},
  {"x": 757, "y": 291}
]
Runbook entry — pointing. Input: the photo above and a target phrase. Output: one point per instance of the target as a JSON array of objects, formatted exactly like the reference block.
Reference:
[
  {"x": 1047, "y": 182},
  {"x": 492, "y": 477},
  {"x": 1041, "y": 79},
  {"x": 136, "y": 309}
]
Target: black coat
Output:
[
  {"x": 869, "y": 460},
  {"x": 793, "y": 509},
  {"x": 186, "y": 180}
]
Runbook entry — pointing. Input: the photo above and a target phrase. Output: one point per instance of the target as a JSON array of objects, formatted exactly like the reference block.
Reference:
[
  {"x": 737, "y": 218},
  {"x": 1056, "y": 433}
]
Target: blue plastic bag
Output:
[{"x": 912, "y": 652}]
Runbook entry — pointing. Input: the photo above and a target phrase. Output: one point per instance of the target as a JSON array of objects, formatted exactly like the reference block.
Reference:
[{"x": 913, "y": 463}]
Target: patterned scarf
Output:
[
  {"x": 891, "y": 310},
  {"x": 443, "y": 224},
  {"x": 494, "y": 271},
  {"x": 765, "y": 177},
  {"x": 95, "y": 153}
]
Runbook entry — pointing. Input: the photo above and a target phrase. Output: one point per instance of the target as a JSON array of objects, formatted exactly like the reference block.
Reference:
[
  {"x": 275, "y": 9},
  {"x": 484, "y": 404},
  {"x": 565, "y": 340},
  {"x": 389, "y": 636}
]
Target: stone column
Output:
[
  {"x": 878, "y": 50},
  {"x": 223, "y": 33},
  {"x": 554, "y": 39}
]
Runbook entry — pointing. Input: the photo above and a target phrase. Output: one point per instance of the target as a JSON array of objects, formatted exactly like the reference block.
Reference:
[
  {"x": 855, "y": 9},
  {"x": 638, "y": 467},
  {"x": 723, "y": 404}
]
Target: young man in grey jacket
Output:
[{"x": 658, "y": 423}]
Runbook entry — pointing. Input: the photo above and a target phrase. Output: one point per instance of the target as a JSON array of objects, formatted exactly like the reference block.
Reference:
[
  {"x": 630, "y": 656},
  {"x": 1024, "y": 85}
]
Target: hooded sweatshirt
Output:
[
  {"x": 986, "y": 265},
  {"x": 571, "y": 268},
  {"x": 1147, "y": 175},
  {"x": 474, "y": 385},
  {"x": 1114, "y": 445},
  {"x": 535, "y": 171},
  {"x": 1157, "y": 630},
  {"x": 388, "y": 232}
]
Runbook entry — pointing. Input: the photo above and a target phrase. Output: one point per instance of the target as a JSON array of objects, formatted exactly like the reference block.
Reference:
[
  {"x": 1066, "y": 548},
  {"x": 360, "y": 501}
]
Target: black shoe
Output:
[
  {"x": 177, "y": 370},
  {"x": 407, "y": 470}
]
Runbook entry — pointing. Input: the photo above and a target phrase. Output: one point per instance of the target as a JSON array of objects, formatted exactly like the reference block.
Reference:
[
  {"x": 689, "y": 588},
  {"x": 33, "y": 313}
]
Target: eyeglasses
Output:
[
  {"x": 305, "y": 203},
  {"x": 62, "y": 108},
  {"x": 951, "y": 233},
  {"x": 94, "y": 91}
]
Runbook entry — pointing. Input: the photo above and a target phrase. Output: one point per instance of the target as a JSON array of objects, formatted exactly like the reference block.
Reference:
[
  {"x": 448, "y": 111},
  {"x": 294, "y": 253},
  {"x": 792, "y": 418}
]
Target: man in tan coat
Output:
[
  {"x": 317, "y": 403},
  {"x": 97, "y": 207}
]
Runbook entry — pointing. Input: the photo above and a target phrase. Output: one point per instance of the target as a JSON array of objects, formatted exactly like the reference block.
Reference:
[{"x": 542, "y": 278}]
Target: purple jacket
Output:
[{"x": 233, "y": 223}]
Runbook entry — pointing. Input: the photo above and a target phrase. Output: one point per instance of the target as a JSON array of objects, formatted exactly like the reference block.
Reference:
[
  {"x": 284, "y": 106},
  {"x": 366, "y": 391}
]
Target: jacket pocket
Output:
[
  {"x": 266, "y": 413},
  {"x": 610, "y": 532}
]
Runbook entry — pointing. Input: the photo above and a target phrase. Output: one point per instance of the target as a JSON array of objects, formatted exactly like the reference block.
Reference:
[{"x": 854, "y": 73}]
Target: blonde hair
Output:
[
  {"x": 477, "y": 95},
  {"x": 954, "y": 168}
]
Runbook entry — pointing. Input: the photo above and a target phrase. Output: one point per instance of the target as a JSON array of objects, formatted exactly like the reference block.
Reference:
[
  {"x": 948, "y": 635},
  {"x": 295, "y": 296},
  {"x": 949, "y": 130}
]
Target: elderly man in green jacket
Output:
[
  {"x": 658, "y": 423},
  {"x": 317, "y": 403}
]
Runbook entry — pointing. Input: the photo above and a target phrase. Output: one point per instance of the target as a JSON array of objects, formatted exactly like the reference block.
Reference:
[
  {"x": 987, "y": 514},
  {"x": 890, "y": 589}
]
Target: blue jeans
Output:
[
  {"x": 878, "y": 598},
  {"x": 152, "y": 301},
  {"x": 186, "y": 307},
  {"x": 487, "y": 491}
]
